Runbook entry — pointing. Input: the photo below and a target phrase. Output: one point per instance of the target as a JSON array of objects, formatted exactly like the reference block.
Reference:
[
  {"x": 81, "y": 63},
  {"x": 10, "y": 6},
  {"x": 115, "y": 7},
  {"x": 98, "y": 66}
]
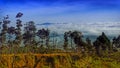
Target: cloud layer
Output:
[{"x": 111, "y": 29}]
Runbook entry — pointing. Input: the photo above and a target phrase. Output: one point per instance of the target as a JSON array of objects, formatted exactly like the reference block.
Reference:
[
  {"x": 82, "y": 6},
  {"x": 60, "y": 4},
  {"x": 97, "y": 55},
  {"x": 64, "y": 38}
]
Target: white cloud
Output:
[{"x": 87, "y": 28}]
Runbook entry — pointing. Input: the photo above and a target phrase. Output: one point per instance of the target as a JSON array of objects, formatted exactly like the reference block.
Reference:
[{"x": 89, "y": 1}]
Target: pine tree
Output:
[
  {"x": 44, "y": 34},
  {"x": 116, "y": 43},
  {"x": 18, "y": 31},
  {"x": 89, "y": 44},
  {"x": 3, "y": 33},
  {"x": 29, "y": 33},
  {"x": 102, "y": 43},
  {"x": 65, "y": 41}
]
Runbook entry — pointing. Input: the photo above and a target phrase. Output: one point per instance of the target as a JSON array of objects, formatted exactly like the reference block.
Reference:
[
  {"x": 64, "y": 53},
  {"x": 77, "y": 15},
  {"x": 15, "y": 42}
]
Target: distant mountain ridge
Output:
[{"x": 48, "y": 23}]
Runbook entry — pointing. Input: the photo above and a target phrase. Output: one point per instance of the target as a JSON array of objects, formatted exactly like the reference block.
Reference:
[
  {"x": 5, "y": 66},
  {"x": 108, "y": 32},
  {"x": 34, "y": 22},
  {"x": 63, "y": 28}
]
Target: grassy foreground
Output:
[{"x": 60, "y": 60}]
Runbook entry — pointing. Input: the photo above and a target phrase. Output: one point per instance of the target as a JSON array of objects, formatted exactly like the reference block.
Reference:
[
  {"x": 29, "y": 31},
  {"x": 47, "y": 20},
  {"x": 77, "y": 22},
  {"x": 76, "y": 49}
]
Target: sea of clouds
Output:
[{"x": 111, "y": 29}]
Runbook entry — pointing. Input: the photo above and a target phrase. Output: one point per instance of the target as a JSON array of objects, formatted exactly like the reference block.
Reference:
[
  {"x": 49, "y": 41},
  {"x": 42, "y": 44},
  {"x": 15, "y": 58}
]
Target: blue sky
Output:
[{"x": 63, "y": 11}]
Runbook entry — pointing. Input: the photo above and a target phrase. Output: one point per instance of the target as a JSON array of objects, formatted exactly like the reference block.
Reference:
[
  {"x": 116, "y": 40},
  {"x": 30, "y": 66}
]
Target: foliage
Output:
[{"x": 26, "y": 38}]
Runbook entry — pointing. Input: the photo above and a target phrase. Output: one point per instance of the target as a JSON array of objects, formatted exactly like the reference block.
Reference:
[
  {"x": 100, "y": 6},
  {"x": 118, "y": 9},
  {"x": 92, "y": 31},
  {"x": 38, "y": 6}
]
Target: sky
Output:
[{"x": 73, "y": 12}]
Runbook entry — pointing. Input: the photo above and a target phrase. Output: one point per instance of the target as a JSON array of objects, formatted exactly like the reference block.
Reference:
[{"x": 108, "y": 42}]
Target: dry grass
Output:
[{"x": 58, "y": 60}]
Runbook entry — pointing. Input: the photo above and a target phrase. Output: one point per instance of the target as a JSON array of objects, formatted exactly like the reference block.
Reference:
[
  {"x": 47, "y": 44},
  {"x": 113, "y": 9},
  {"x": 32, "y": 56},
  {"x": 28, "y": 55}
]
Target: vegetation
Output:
[
  {"x": 62, "y": 60},
  {"x": 20, "y": 48}
]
